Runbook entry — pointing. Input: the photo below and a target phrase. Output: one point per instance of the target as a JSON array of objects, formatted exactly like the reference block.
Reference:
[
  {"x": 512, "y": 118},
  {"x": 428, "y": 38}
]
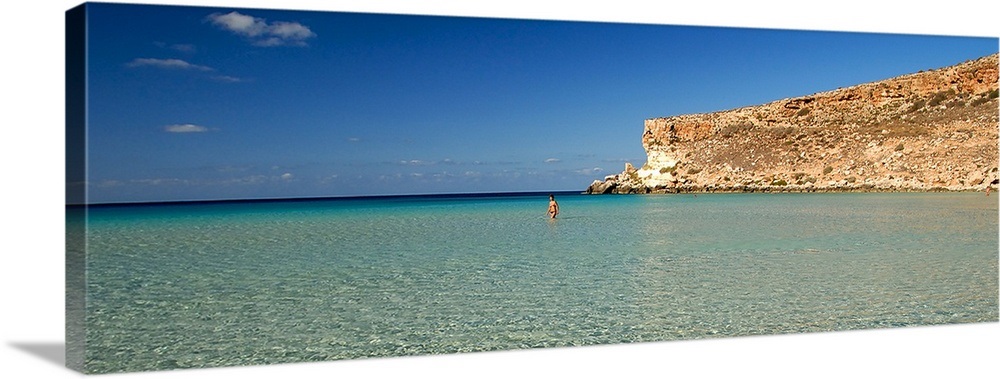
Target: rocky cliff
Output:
[{"x": 928, "y": 131}]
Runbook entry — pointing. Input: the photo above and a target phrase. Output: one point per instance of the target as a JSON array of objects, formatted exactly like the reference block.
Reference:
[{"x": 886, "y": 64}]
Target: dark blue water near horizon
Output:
[{"x": 390, "y": 197}]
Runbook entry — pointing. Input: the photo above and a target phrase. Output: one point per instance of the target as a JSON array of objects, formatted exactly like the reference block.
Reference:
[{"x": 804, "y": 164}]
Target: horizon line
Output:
[{"x": 335, "y": 197}]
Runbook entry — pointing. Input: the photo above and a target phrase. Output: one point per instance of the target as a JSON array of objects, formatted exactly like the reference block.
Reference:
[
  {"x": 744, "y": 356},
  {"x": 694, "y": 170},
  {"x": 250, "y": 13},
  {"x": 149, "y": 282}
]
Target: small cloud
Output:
[
  {"x": 619, "y": 160},
  {"x": 262, "y": 33},
  {"x": 181, "y": 47},
  {"x": 590, "y": 171},
  {"x": 268, "y": 42},
  {"x": 110, "y": 183},
  {"x": 414, "y": 162},
  {"x": 169, "y": 64},
  {"x": 239, "y": 23},
  {"x": 328, "y": 179},
  {"x": 185, "y": 128},
  {"x": 501, "y": 163},
  {"x": 552, "y": 160},
  {"x": 392, "y": 177},
  {"x": 442, "y": 175},
  {"x": 287, "y": 176},
  {"x": 354, "y": 139},
  {"x": 228, "y": 79},
  {"x": 290, "y": 30},
  {"x": 180, "y": 65},
  {"x": 251, "y": 179},
  {"x": 184, "y": 47},
  {"x": 160, "y": 181}
]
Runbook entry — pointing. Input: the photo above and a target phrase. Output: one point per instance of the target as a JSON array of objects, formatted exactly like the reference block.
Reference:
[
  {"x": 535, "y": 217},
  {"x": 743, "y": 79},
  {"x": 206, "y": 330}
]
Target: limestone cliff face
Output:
[{"x": 933, "y": 130}]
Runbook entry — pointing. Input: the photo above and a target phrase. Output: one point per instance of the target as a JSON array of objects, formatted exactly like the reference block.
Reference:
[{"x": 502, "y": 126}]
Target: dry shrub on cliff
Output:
[
  {"x": 730, "y": 130},
  {"x": 939, "y": 97},
  {"x": 782, "y": 132},
  {"x": 956, "y": 102},
  {"x": 905, "y": 129},
  {"x": 917, "y": 105},
  {"x": 982, "y": 99}
]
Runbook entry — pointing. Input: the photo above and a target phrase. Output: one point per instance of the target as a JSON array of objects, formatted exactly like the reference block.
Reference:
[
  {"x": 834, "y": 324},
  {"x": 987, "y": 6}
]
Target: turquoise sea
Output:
[{"x": 257, "y": 282}]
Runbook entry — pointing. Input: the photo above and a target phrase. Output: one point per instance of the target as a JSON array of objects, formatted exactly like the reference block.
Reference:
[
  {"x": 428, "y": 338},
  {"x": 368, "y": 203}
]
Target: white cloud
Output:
[
  {"x": 269, "y": 42},
  {"x": 171, "y": 64},
  {"x": 619, "y": 160},
  {"x": 354, "y": 139},
  {"x": 395, "y": 176},
  {"x": 181, "y": 47},
  {"x": 184, "y": 47},
  {"x": 252, "y": 179},
  {"x": 161, "y": 181},
  {"x": 180, "y": 65},
  {"x": 590, "y": 171},
  {"x": 239, "y": 23},
  {"x": 328, "y": 179},
  {"x": 185, "y": 128},
  {"x": 414, "y": 162},
  {"x": 552, "y": 160},
  {"x": 262, "y": 33},
  {"x": 287, "y": 176},
  {"x": 442, "y": 175},
  {"x": 290, "y": 30},
  {"x": 110, "y": 183},
  {"x": 502, "y": 163},
  {"x": 228, "y": 79}
]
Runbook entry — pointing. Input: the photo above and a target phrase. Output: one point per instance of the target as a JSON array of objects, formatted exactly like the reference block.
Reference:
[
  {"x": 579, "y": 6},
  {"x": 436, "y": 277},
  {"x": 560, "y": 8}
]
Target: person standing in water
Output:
[{"x": 553, "y": 207}]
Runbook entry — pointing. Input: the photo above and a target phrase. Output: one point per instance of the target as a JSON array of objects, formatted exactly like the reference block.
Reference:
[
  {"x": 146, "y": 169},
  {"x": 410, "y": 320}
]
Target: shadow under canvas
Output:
[{"x": 53, "y": 352}]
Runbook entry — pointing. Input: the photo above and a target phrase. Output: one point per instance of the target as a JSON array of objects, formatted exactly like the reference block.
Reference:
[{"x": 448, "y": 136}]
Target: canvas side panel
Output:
[{"x": 76, "y": 172}]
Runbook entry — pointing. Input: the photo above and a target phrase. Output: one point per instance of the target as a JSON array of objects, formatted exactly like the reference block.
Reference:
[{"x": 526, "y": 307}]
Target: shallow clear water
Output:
[{"x": 214, "y": 284}]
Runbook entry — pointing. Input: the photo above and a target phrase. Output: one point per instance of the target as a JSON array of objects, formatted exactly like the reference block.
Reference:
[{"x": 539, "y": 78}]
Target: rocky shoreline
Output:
[{"x": 934, "y": 130}]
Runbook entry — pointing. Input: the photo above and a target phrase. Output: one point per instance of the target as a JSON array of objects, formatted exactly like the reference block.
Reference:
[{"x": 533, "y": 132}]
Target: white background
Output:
[{"x": 31, "y": 134}]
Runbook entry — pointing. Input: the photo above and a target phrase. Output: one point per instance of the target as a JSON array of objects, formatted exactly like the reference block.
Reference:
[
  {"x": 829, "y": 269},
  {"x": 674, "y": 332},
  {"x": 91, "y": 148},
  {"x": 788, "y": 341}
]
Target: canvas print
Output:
[{"x": 262, "y": 186}]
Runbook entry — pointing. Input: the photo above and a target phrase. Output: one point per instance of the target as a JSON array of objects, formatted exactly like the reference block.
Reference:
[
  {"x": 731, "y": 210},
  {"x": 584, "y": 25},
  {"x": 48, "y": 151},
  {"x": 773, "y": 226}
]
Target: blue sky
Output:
[
  {"x": 34, "y": 183},
  {"x": 227, "y": 103}
]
